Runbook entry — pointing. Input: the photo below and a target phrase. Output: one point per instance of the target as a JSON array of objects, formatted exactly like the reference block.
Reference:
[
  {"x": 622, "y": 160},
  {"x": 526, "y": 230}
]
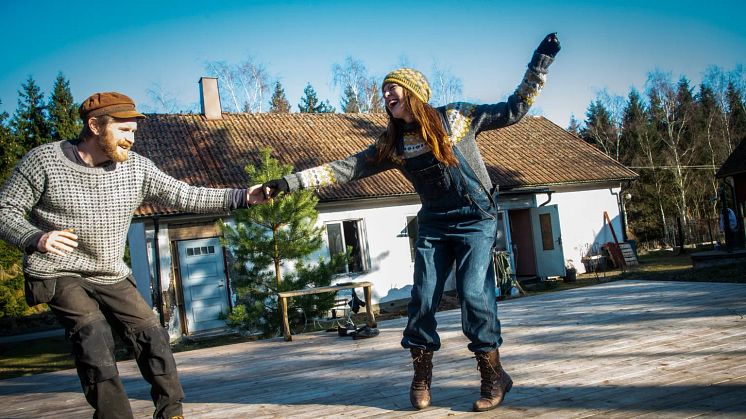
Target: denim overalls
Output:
[{"x": 457, "y": 224}]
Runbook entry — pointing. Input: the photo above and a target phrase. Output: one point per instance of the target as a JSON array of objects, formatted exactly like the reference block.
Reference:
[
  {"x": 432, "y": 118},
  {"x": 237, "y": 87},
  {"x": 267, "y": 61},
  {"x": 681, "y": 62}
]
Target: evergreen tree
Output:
[
  {"x": 310, "y": 103},
  {"x": 29, "y": 123},
  {"x": 264, "y": 239},
  {"x": 349, "y": 101},
  {"x": 376, "y": 99},
  {"x": 10, "y": 151},
  {"x": 736, "y": 113},
  {"x": 573, "y": 127},
  {"x": 279, "y": 102},
  {"x": 63, "y": 111},
  {"x": 599, "y": 128},
  {"x": 634, "y": 127}
]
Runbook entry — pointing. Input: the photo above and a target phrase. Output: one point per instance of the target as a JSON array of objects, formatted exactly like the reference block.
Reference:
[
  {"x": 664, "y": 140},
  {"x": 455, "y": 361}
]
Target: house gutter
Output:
[{"x": 549, "y": 198}]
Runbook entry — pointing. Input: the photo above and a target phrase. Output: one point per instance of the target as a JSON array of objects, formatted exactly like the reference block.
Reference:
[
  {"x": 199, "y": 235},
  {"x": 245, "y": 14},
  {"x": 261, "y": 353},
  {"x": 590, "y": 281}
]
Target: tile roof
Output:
[
  {"x": 735, "y": 163},
  {"x": 213, "y": 153}
]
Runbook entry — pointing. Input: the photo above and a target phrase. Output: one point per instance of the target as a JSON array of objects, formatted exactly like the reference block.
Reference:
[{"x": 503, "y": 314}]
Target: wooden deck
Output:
[{"x": 620, "y": 349}]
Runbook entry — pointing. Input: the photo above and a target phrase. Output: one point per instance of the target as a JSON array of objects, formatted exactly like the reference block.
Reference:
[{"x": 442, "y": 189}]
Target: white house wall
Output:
[
  {"x": 391, "y": 266},
  {"x": 582, "y": 221}
]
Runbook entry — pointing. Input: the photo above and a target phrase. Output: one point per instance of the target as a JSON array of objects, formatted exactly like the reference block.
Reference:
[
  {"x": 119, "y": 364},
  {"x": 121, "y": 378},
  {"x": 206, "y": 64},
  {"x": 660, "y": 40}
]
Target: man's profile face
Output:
[{"x": 117, "y": 139}]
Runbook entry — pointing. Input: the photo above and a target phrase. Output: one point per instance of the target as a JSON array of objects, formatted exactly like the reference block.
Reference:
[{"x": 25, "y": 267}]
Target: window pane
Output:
[
  {"x": 352, "y": 239},
  {"x": 336, "y": 243},
  {"x": 545, "y": 221}
]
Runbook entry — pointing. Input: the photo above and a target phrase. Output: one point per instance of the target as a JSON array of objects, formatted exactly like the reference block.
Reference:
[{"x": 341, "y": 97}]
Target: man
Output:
[{"x": 68, "y": 205}]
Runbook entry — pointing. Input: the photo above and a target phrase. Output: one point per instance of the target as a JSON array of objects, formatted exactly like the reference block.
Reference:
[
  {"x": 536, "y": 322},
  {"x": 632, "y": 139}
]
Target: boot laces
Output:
[
  {"x": 422, "y": 364},
  {"x": 490, "y": 373}
]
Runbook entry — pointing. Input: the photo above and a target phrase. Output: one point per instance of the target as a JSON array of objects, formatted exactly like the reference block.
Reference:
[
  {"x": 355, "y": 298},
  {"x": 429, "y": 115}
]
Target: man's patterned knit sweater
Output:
[{"x": 48, "y": 192}]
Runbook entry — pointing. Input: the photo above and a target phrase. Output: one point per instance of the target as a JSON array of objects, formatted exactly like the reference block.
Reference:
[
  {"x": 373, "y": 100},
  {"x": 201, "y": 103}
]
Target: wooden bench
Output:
[{"x": 283, "y": 299}]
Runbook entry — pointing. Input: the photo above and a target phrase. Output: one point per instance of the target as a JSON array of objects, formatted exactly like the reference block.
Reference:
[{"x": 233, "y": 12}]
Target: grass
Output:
[
  {"x": 53, "y": 353},
  {"x": 35, "y": 357}
]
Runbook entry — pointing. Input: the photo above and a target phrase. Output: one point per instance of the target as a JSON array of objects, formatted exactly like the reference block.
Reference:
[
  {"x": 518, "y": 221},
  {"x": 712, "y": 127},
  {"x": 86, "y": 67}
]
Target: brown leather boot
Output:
[
  {"x": 419, "y": 392},
  {"x": 495, "y": 381}
]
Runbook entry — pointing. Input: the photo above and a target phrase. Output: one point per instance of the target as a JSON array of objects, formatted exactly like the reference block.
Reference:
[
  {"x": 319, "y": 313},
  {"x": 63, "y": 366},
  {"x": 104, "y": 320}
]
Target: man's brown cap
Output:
[{"x": 113, "y": 104}]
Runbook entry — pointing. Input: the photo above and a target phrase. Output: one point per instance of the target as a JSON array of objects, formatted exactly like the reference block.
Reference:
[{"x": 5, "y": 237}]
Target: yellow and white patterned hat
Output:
[{"x": 412, "y": 80}]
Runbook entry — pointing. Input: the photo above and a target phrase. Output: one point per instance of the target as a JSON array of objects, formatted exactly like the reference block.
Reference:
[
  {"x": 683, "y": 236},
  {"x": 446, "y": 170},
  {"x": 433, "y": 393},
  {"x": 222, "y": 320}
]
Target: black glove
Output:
[
  {"x": 550, "y": 45},
  {"x": 275, "y": 187}
]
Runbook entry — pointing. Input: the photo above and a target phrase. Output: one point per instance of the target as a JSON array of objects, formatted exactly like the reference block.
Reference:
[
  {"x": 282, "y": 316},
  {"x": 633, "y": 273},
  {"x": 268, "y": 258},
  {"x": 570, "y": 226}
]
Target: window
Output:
[
  {"x": 412, "y": 233},
  {"x": 348, "y": 234},
  {"x": 545, "y": 224},
  {"x": 203, "y": 250}
]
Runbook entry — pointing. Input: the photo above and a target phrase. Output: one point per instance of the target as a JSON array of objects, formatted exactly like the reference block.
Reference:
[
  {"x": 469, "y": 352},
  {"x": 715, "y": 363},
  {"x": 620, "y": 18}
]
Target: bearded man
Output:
[{"x": 68, "y": 206}]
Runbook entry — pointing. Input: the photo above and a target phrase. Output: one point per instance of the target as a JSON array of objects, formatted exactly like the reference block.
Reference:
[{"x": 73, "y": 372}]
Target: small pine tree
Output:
[
  {"x": 63, "y": 111},
  {"x": 310, "y": 103},
  {"x": 279, "y": 102},
  {"x": 349, "y": 103},
  {"x": 263, "y": 239},
  {"x": 574, "y": 126},
  {"x": 29, "y": 123}
]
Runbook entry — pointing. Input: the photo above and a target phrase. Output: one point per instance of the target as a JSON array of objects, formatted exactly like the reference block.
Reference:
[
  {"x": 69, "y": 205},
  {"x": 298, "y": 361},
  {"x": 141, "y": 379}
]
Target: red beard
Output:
[{"x": 109, "y": 145}]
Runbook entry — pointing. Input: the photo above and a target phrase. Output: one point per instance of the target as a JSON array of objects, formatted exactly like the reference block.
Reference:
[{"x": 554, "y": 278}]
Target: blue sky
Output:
[{"x": 613, "y": 45}]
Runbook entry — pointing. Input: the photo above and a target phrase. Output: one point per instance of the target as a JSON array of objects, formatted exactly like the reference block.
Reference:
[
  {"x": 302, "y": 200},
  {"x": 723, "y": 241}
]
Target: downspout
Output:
[
  {"x": 622, "y": 211},
  {"x": 158, "y": 292},
  {"x": 549, "y": 199}
]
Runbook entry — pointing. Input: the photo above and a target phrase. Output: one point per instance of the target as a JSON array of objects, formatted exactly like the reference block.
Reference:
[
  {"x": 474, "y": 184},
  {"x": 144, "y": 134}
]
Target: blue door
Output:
[
  {"x": 550, "y": 260},
  {"x": 204, "y": 284}
]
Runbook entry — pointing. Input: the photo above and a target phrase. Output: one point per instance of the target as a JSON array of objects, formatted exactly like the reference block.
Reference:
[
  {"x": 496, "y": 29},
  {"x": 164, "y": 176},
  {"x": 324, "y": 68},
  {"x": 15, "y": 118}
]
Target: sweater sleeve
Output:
[
  {"x": 355, "y": 167},
  {"x": 498, "y": 115},
  {"x": 163, "y": 189},
  {"x": 18, "y": 196}
]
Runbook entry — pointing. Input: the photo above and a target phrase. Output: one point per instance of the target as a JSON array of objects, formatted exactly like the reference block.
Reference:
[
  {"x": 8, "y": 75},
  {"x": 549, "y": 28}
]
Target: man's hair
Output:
[
  {"x": 102, "y": 120},
  {"x": 431, "y": 131}
]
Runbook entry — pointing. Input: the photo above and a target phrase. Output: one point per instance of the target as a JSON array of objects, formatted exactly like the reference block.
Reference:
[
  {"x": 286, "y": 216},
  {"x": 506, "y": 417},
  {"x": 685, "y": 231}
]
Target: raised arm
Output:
[{"x": 498, "y": 115}]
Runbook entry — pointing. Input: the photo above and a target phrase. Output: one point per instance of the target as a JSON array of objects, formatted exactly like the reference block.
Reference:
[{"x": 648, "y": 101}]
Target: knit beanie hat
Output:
[{"x": 412, "y": 80}]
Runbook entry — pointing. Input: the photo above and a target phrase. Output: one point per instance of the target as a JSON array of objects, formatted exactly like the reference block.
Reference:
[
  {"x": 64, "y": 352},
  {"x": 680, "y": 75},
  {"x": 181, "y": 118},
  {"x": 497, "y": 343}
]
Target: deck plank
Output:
[{"x": 619, "y": 349}]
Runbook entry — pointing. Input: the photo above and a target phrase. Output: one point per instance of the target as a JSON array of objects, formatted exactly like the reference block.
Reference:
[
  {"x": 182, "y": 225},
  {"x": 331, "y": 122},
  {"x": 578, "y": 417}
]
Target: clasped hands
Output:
[{"x": 259, "y": 194}]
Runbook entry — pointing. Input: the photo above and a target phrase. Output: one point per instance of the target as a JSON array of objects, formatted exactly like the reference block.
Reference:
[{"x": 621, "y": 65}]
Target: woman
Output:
[{"x": 436, "y": 150}]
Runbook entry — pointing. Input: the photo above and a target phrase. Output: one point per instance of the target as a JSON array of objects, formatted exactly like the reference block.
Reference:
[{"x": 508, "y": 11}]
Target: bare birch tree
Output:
[
  {"x": 244, "y": 86},
  {"x": 673, "y": 116},
  {"x": 446, "y": 87},
  {"x": 161, "y": 100},
  {"x": 352, "y": 77}
]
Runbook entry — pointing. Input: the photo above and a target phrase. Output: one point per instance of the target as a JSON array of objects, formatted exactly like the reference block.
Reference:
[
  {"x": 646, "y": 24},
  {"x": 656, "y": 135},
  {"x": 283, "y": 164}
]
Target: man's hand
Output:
[
  {"x": 58, "y": 242},
  {"x": 273, "y": 187},
  {"x": 550, "y": 45},
  {"x": 255, "y": 195}
]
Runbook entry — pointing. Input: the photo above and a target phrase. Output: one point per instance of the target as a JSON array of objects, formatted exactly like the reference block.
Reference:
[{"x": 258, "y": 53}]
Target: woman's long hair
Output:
[{"x": 431, "y": 131}]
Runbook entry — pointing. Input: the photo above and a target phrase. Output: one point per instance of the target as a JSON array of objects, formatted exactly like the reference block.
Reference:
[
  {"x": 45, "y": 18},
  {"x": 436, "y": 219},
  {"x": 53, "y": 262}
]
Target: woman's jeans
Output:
[{"x": 457, "y": 227}]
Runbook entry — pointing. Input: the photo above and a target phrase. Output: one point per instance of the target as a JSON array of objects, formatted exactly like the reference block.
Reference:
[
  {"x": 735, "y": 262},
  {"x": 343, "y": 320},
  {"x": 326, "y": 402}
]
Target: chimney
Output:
[{"x": 209, "y": 98}]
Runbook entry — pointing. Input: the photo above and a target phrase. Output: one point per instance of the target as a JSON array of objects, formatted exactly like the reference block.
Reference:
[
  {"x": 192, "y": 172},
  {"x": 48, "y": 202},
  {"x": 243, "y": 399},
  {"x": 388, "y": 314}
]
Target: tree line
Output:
[{"x": 675, "y": 137}]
